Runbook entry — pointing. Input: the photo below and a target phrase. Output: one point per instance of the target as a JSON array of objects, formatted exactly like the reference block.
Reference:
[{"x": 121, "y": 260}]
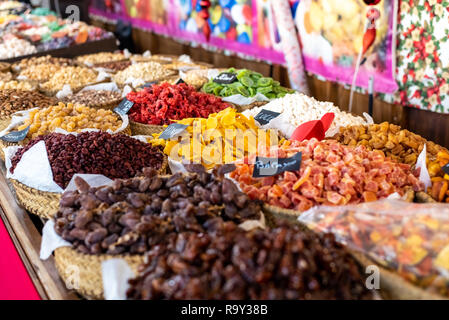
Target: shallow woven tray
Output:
[
  {"x": 167, "y": 77},
  {"x": 4, "y": 122},
  {"x": 46, "y": 204},
  {"x": 41, "y": 203},
  {"x": 52, "y": 93},
  {"x": 252, "y": 105},
  {"x": 82, "y": 272},
  {"x": 4, "y": 67},
  {"x": 422, "y": 197},
  {"x": 393, "y": 286},
  {"x": 144, "y": 129}
]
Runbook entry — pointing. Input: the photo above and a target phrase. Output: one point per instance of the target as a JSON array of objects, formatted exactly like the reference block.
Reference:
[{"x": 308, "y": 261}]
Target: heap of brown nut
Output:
[
  {"x": 12, "y": 100},
  {"x": 133, "y": 215},
  {"x": 228, "y": 263}
]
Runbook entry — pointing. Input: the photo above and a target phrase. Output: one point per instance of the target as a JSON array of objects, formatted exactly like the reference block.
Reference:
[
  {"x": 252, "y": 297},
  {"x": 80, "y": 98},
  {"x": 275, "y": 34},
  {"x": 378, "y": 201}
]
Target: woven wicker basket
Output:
[
  {"x": 82, "y": 272},
  {"x": 41, "y": 203},
  {"x": 52, "y": 93},
  {"x": 252, "y": 105},
  {"x": 393, "y": 286},
  {"x": 144, "y": 129},
  {"x": 4, "y": 67},
  {"x": 4, "y": 122},
  {"x": 422, "y": 197}
]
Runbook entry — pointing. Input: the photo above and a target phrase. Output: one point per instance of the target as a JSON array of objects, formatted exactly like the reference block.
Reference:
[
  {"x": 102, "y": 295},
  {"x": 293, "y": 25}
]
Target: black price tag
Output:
[
  {"x": 180, "y": 81},
  {"x": 265, "y": 116},
  {"x": 445, "y": 168},
  {"x": 172, "y": 131},
  {"x": 16, "y": 136},
  {"x": 265, "y": 167},
  {"x": 124, "y": 107},
  {"x": 225, "y": 78},
  {"x": 148, "y": 84}
]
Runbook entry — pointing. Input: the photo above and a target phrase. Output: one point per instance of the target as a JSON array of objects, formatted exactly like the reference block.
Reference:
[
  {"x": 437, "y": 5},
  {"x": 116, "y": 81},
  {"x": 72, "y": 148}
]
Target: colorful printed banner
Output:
[
  {"x": 331, "y": 34},
  {"x": 423, "y": 55},
  {"x": 234, "y": 23}
]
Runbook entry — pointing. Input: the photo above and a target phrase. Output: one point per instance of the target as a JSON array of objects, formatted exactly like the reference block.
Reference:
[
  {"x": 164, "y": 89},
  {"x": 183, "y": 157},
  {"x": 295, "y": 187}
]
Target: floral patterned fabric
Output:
[{"x": 423, "y": 55}]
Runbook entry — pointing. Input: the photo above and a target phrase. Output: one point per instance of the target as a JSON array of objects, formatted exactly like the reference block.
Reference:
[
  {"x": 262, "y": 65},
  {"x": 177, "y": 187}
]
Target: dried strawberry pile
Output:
[
  {"x": 164, "y": 103},
  {"x": 330, "y": 174}
]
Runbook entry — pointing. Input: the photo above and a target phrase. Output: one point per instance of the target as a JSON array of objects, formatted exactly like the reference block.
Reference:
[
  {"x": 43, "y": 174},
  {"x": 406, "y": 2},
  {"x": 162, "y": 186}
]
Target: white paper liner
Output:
[
  {"x": 127, "y": 54},
  {"x": 127, "y": 89},
  {"x": 135, "y": 82},
  {"x": 17, "y": 119},
  {"x": 115, "y": 274},
  {"x": 107, "y": 86},
  {"x": 212, "y": 73},
  {"x": 64, "y": 92},
  {"x": 103, "y": 74},
  {"x": 146, "y": 54},
  {"x": 424, "y": 176},
  {"x": 41, "y": 176},
  {"x": 243, "y": 101},
  {"x": 185, "y": 58},
  {"x": 94, "y": 180},
  {"x": 51, "y": 240},
  {"x": 369, "y": 119}
]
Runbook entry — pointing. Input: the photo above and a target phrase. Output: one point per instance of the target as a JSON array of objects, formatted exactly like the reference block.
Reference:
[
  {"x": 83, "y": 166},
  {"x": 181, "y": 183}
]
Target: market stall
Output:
[{"x": 147, "y": 176}]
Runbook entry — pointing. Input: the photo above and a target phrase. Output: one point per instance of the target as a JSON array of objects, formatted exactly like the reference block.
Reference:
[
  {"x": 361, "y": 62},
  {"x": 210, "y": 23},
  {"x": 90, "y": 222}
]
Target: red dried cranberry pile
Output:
[
  {"x": 164, "y": 103},
  {"x": 115, "y": 156}
]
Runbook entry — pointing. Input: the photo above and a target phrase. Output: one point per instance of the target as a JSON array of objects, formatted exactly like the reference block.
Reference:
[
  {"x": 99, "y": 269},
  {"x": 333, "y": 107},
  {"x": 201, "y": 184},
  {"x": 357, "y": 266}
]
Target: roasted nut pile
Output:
[
  {"x": 114, "y": 65},
  {"x": 330, "y": 174},
  {"x": 40, "y": 72},
  {"x": 94, "y": 58},
  {"x": 72, "y": 118},
  {"x": 115, "y": 156},
  {"x": 198, "y": 77},
  {"x": 166, "y": 103},
  {"x": 4, "y": 66},
  {"x": 17, "y": 100},
  {"x": 76, "y": 77},
  {"x": 19, "y": 85},
  {"x": 228, "y": 263},
  {"x": 25, "y": 63},
  {"x": 180, "y": 65},
  {"x": 94, "y": 98},
  {"x": 146, "y": 71},
  {"x": 133, "y": 215},
  {"x": 399, "y": 144}
]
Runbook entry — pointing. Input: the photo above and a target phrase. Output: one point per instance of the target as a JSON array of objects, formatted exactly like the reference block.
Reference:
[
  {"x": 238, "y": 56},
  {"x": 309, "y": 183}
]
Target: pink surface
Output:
[
  {"x": 172, "y": 31},
  {"x": 15, "y": 283}
]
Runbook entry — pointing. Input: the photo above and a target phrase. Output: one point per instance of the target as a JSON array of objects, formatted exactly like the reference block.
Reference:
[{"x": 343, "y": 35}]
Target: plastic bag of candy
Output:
[{"x": 409, "y": 238}]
